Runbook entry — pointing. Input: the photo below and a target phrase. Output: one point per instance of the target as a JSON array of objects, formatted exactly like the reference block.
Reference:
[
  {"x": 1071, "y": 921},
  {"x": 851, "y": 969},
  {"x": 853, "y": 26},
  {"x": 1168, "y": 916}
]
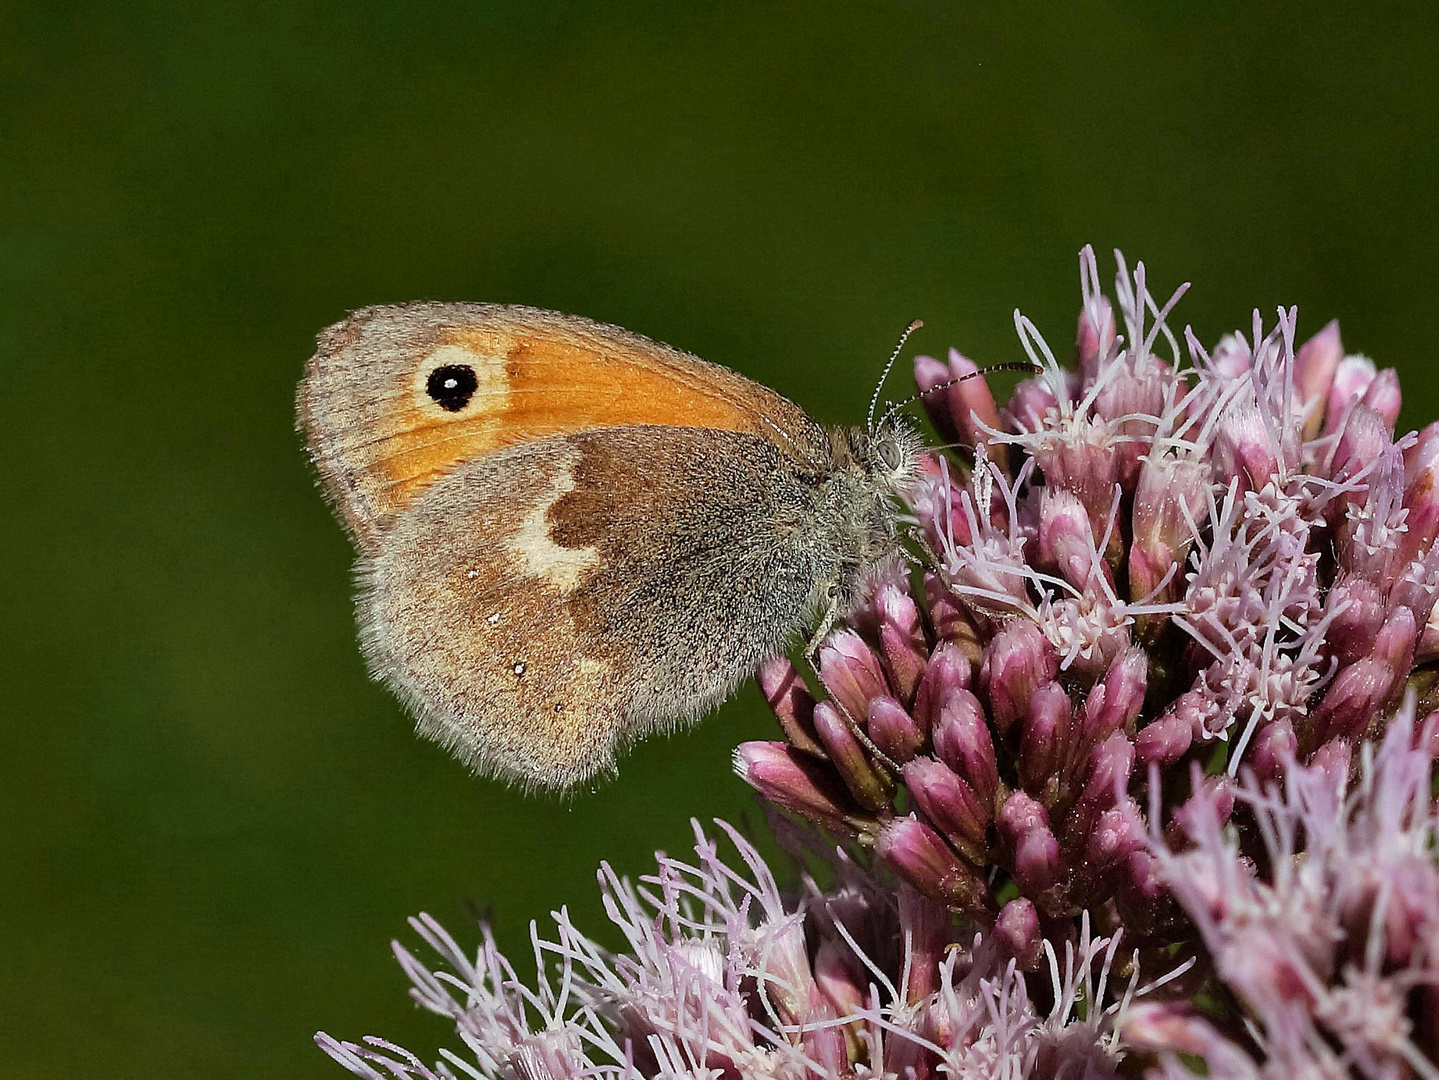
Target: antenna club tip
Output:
[{"x": 913, "y": 326}]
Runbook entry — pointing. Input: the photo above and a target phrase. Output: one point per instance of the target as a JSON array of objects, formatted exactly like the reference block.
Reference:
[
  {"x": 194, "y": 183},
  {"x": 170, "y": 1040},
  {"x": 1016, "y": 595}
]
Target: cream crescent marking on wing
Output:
[{"x": 539, "y": 555}]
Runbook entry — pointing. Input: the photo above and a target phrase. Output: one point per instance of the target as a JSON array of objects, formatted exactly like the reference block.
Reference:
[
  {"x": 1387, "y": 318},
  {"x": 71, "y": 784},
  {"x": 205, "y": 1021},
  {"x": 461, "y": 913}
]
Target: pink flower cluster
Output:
[
  {"x": 1138, "y": 561},
  {"x": 1316, "y": 956},
  {"x": 1135, "y": 778},
  {"x": 1325, "y": 939},
  {"x": 726, "y": 977},
  {"x": 1150, "y": 574}
]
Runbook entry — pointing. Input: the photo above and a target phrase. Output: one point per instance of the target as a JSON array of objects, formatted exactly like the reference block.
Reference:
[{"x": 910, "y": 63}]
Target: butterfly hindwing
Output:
[{"x": 543, "y": 605}]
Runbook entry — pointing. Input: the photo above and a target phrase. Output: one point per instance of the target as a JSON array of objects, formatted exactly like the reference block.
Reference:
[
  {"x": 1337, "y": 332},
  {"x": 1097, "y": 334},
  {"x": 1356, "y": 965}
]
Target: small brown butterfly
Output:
[{"x": 571, "y": 536}]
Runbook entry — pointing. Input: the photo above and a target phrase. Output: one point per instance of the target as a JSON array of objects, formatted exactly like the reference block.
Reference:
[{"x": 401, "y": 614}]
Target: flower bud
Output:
[
  {"x": 951, "y": 620},
  {"x": 1018, "y": 660},
  {"x": 851, "y": 673},
  {"x": 1164, "y": 741},
  {"x": 1132, "y": 393},
  {"x": 921, "y": 857},
  {"x": 1115, "y": 703},
  {"x": 1421, "y": 494},
  {"x": 901, "y": 640},
  {"x": 1272, "y": 750},
  {"x": 1364, "y": 440},
  {"x": 1086, "y": 461},
  {"x": 1353, "y": 630},
  {"x": 1427, "y": 737},
  {"x": 1172, "y": 492},
  {"x": 794, "y": 780},
  {"x": 950, "y": 805},
  {"x": 948, "y": 672},
  {"x": 1212, "y": 802},
  {"x": 1383, "y": 396},
  {"x": 1030, "y": 404},
  {"x": 892, "y": 728},
  {"x": 1148, "y": 566},
  {"x": 785, "y": 964},
  {"x": 1417, "y": 587},
  {"x": 962, "y": 741},
  {"x": 1231, "y": 357},
  {"x": 1108, "y": 774},
  {"x": 822, "y": 1040},
  {"x": 929, "y": 373},
  {"x": 1314, "y": 366},
  {"x": 1111, "y": 842},
  {"x": 1394, "y": 644},
  {"x": 850, "y": 758},
  {"x": 1025, "y": 826},
  {"x": 1243, "y": 445},
  {"x": 789, "y": 697},
  {"x": 1351, "y": 380},
  {"x": 1066, "y": 541},
  {"x": 935, "y": 500},
  {"x": 1143, "y": 885},
  {"x": 1017, "y": 931},
  {"x": 1352, "y": 701},
  {"x": 1044, "y": 739},
  {"x": 1333, "y": 760},
  {"x": 971, "y": 403}
]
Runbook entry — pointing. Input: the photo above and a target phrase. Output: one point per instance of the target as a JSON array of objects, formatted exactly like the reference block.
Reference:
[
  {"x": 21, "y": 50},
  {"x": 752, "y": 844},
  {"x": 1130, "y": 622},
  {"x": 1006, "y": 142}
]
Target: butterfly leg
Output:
[
  {"x": 826, "y": 624},
  {"x": 811, "y": 656},
  {"x": 927, "y": 559}
]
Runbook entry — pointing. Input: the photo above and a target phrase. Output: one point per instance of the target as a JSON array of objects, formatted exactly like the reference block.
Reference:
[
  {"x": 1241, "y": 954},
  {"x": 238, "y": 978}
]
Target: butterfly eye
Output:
[
  {"x": 889, "y": 455},
  {"x": 452, "y": 386}
]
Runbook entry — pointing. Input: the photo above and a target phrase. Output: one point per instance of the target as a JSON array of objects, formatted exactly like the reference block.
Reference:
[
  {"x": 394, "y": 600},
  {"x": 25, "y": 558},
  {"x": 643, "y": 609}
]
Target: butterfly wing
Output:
[
  {"x": 543, "y": 605},
  {"x": 397, "y": 396},
  {"x": 570, "y": 535}
]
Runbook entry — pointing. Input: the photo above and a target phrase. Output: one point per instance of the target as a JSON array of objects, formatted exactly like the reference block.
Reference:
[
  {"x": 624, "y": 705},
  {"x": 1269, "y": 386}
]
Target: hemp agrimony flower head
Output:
[
  {"x": 1161, "y": 557},
  {"x": 1319, "y": 957},
  {"x": 1137, "y": 778},
  {"x": 724, "y": 976}
]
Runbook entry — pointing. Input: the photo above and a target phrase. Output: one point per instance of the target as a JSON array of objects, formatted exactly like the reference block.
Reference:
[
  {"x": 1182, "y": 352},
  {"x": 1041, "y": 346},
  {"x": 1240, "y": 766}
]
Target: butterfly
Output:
[{"x": 570, "y": 536}]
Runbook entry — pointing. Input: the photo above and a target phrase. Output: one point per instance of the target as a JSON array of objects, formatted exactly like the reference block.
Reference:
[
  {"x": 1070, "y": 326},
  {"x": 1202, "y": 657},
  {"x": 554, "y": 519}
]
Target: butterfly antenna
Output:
[
  {"x": 1024, "y": 366},
  {"x": 874, "y": 401}
]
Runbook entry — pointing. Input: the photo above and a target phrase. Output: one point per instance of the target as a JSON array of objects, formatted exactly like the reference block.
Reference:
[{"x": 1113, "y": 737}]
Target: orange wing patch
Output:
[
  {"x": 381, "y": 428},
  {"x": 529, "y": 390}
]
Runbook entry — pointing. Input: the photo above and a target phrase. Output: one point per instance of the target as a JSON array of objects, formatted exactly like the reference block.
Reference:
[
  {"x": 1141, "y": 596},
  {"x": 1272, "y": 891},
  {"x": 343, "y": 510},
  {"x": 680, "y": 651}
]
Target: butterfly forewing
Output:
[{"x": 397, "y": 396}]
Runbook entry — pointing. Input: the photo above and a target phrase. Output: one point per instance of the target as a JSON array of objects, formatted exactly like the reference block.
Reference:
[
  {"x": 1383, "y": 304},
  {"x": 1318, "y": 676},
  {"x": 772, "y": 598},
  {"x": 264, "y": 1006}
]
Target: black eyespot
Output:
[{"x": 452, "y": 386}]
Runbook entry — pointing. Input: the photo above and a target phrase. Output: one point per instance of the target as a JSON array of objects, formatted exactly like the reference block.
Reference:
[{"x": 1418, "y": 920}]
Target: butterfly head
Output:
[
  {"x": 890, "y": 452},
  {"x": 877, "y": 468}
]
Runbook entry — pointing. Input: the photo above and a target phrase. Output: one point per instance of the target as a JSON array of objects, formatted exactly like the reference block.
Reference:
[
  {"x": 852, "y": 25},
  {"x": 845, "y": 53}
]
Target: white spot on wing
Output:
[{"x": 539, "y": 556}]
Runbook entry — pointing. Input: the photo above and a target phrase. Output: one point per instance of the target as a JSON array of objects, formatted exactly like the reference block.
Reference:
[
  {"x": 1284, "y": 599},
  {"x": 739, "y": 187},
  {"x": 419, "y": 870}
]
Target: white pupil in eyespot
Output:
[{"x": 450, "y": 384}]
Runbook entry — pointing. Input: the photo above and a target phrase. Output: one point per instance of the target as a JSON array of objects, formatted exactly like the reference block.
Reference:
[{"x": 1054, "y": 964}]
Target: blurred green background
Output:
[{"x": 212, "y": 822}]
